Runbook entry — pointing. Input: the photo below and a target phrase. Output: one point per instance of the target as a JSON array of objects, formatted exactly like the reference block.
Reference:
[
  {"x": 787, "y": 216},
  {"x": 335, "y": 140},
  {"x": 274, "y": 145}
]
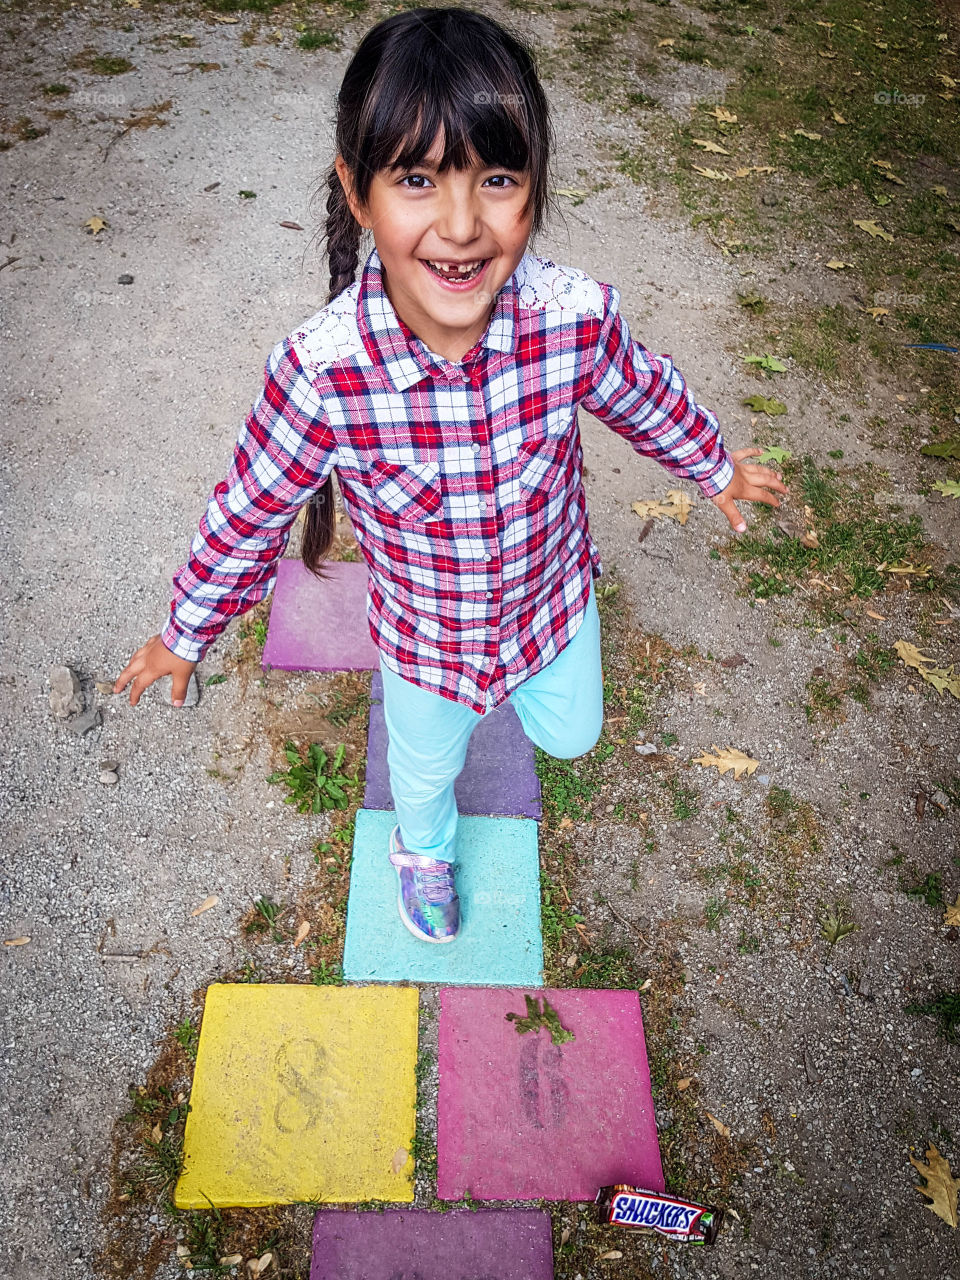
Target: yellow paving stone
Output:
[{"x": 302, "y": 1093}]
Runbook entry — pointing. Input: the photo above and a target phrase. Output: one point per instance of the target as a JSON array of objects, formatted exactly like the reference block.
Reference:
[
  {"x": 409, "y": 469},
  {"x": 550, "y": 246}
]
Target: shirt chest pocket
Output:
[
  {"x": 544, "y": 458},
  {"x": 399, "y": 486}
]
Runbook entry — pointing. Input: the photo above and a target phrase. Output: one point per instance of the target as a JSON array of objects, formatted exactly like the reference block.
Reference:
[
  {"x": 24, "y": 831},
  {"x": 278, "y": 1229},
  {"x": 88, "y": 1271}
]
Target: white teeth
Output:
[{"x": 449, "y": 268}]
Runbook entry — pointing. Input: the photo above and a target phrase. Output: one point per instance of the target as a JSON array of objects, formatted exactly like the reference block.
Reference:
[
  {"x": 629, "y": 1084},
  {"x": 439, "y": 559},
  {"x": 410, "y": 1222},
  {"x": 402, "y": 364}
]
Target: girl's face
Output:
[{"x": 419, "y": 217}]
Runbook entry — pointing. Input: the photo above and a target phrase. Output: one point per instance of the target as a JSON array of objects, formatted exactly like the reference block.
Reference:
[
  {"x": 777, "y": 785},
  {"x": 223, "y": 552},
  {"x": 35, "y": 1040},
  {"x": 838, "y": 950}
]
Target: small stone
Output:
[
  {"x": 104, "y": 686},
  {"x": 65, "y": 697},
  {"x": 108, "y": 777},
  {"x": 91, "y": 719},
  {"x": 769, "y": 198},
  {"x": 571, "y": 960},
  {"x": 193, "y": 691},
  {"x": 125, "y": 279},
  {"x": 113, "y": 765},
  {"x": 646, "y": 749},
  {"x": 763, "y": 779}
]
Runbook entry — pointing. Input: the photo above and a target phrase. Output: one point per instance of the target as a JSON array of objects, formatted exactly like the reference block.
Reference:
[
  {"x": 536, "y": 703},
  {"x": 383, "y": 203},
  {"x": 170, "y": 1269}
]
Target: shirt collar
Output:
[{"x": 393, "y": 347}]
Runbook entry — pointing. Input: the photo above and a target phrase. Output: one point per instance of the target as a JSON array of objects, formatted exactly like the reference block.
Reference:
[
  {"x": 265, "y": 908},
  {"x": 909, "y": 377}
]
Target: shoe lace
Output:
[{"x": 437, "y": 883}]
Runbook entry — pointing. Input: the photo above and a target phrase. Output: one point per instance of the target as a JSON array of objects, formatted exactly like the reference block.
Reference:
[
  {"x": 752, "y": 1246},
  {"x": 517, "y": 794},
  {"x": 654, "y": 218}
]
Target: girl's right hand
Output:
[{"x": 151, "y": 661}]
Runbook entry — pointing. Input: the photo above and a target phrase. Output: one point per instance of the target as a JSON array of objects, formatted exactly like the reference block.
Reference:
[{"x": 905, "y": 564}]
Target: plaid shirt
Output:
[{"x": 462, "y": 480}]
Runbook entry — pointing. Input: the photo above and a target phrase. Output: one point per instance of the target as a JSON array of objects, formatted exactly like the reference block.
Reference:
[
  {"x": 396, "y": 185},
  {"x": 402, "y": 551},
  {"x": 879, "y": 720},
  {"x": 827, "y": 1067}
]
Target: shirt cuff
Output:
[
  {"x": 718, "y": 480},
  {"x": 182, "y": 646}
]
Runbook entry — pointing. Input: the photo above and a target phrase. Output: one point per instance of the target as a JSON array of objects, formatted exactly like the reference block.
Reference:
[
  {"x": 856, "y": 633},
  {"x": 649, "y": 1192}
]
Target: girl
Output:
[{"x": 442, "y": 386}]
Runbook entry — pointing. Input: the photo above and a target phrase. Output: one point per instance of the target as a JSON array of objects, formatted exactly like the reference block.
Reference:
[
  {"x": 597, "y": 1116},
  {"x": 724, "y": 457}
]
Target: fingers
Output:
[
  {"x": 751, "y": 452},
  {"x": 764, "y": 476},
  {"x": 729, "y": 509}
]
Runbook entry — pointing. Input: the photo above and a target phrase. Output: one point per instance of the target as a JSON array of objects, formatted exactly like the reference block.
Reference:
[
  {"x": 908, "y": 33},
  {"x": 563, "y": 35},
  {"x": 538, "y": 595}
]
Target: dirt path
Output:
[{"x": 123, "y": 401}]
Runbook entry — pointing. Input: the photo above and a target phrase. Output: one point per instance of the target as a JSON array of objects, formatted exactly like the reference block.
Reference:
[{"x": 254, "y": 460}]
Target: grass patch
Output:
[
  {"x": 859, "y": 552},
  {"x": 946, "y": 1009}
]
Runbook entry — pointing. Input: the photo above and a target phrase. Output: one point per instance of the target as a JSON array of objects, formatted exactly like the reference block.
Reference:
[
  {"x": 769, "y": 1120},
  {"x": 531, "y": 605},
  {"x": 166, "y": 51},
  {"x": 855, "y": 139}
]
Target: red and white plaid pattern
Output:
[{"x": 462, "y": 480}]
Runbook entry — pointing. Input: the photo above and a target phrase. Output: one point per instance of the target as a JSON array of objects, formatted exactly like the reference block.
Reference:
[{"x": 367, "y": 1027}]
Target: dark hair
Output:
[{"x": 413, "y": 74}]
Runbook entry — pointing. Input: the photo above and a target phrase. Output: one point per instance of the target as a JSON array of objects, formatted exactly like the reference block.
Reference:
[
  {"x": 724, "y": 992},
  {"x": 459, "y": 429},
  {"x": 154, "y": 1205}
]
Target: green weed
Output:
[
  {"x": 187, "y": 1036},
  {"x": 314, "y": 780},
  {"x": 946, "y": 1009}
]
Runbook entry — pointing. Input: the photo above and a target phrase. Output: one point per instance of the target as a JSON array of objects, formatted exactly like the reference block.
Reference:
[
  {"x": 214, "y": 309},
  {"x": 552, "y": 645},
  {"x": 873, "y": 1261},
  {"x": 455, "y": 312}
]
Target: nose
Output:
[{"x": 458, "y": 217}]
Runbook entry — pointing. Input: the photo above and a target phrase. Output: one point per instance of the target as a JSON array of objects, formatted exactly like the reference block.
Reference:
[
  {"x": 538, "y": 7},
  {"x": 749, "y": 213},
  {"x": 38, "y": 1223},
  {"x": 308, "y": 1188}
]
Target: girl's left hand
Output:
[{"x": 750, "y": 483}]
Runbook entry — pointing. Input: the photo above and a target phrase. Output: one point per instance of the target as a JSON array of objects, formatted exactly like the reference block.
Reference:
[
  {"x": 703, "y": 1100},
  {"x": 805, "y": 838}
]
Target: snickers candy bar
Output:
[{"x": 639, "y": 1210}]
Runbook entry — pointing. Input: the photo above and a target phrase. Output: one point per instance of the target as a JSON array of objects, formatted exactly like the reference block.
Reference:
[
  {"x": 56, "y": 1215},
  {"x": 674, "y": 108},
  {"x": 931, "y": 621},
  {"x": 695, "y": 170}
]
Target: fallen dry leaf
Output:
[
  {"x": 943, "y": 679},
  {"x": 941, "y": 1189},
  {"x": 646, "y": 985},
  {"x": 685, "y": 1083},
  {"x": 872, "y": 228},
  {"x": 700, "y": 687},
  {"x": 952, "y": 914},
  {"x": 675, "y": 505},
  {"x": 880, "y": 617},
  {"x": 720, "y": 1127},
  {"x": 836, "y": 264},
  {"x": 157, "y": 1133},
  {"x": 96, "y": 224},
  {"x": 713, "y": 147},
  {"x": 302, "y": 933},
  {"x": 727, "y": 758},
  {"x": 22, "y": 941},
  {"x": 231, "y": 1260},
  {"x": 610, "y": 1255},
  {"x": 814, "y": 137},
  {"x": 399, "y": 1160},
  {"x": 205, "y": 905},
  {"x": 714, "y": 174}
]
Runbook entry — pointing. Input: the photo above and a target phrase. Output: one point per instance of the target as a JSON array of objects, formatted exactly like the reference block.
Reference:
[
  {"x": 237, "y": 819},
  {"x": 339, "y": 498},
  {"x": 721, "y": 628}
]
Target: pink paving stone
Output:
[
  {"x": 412, "y": 1244},
  {"x": 320, "y": 626},
  {"x": 519, "y": 1117}
]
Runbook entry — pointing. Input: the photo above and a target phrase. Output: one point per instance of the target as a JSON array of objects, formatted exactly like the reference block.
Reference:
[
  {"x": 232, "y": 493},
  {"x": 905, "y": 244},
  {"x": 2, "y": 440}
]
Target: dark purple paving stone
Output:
[
  {"x": 320, "y": 626},
  {"x": 415, "y": 1244},
  {"x": 498, "y": 779}
]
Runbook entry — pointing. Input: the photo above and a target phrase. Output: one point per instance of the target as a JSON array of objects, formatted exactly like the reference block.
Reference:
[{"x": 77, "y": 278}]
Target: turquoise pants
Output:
[{"x": 560, "y": 708}]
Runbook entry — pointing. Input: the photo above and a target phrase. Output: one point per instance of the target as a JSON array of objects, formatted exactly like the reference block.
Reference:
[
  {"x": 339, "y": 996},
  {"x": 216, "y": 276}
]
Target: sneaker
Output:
[{"x": 428, "y": 901}]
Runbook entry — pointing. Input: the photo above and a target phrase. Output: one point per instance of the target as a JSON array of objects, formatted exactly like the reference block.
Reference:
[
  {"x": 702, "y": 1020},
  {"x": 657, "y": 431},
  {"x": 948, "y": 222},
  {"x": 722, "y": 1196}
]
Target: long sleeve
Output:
[
  {"x": 283, "y": 453},
  {"x": 644, "y": 398}
]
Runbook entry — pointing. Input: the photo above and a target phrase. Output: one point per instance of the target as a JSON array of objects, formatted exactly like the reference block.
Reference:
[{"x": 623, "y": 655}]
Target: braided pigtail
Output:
[{"x": 343, "y": 252}]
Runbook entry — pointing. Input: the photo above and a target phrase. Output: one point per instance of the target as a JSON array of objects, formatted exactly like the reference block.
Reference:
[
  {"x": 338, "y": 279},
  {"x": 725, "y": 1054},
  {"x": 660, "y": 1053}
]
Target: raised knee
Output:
[{"x": 576, "y": 741}]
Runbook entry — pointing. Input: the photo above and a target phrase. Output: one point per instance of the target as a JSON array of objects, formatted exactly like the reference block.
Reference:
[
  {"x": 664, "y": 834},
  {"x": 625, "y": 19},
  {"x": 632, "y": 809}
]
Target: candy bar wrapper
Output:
[{"x": 639, "y": 1210}]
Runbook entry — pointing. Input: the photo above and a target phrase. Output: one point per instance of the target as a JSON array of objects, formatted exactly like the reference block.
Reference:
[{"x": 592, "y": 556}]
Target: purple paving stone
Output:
[
  {"x": 510, "y": 1244},
  {"x": 519, "y": 1117},
  {"x": 320, "y": 626},
  {"x": 498, "y": 779}
]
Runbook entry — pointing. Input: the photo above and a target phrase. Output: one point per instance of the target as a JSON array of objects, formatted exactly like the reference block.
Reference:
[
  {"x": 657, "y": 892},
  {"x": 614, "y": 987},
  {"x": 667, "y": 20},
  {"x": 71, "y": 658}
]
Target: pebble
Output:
[
  {"x": 65, "y": 697},
  {"x": 193, "y": 691},
  {"x": 104, "y": 686},
  {"x": 112, "y": 765},
  {"x": 126, "y": 278},
  {"x": 763, "y": 779},
  {"x": 646, "y": 749},
  {"x": 108, "y": 778},
  {"x": 89, "y": 720}
]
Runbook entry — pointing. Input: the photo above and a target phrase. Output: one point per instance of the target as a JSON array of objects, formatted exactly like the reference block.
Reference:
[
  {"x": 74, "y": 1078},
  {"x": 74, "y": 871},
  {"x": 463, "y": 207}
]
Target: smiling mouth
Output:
[{"x": 456, "y": 271}]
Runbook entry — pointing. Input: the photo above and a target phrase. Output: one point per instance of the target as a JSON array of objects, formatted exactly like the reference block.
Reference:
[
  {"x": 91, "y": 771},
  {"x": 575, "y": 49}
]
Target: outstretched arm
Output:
[{"x": 643, "y": 397}]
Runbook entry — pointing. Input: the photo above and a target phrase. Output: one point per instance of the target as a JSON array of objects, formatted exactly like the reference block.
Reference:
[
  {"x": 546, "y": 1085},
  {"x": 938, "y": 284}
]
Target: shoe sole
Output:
[{"x": 417, "y": 933}]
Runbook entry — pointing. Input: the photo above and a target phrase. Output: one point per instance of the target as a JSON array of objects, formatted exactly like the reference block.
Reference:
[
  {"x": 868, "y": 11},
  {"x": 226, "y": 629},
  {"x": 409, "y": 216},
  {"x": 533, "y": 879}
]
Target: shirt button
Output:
[
  {"x": 481, "y": 506},
  {"x": 489, "y": 595},
  {"x": 487, "y": 555},
  {"x": 476, "y": 448}
]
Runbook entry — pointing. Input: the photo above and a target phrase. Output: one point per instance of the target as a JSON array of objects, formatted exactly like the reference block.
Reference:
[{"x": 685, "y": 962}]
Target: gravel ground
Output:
[{"x": 123, "y": 402}]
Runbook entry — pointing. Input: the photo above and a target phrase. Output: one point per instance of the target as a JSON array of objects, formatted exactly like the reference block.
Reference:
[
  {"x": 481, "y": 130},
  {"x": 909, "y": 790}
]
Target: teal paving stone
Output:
[{"x": 498, "y": 880}]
